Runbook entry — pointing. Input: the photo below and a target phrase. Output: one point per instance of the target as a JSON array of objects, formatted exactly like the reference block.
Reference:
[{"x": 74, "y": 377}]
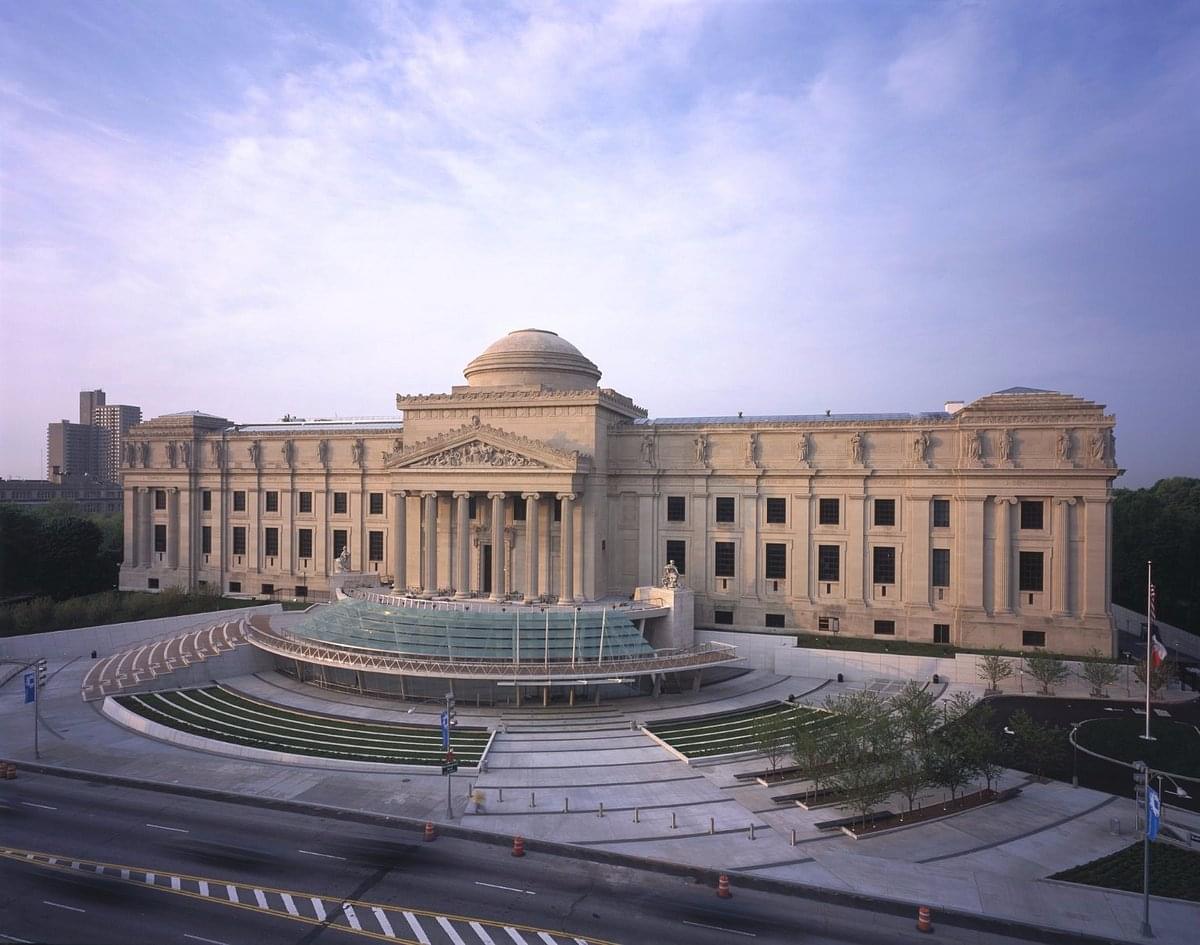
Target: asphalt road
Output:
[{"x": 545, "y": 899}]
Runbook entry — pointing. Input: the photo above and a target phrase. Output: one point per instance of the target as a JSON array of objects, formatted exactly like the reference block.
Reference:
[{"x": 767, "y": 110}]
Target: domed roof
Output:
[{"x": 532, "y": 357}]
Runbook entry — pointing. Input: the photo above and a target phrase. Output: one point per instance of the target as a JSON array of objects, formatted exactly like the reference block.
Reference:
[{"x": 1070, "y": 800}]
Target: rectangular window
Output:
[
  {"x": 558, "y": 510},
  {"x": 723, "y": 616},
  {"x": 375, "y": 546},
  {"x": 339, "y": 541},
  {"x": 776, "y": 562},
  {"x": 160, "y": 499},
  {"x": 677, "y": 552},
  {"x": 829, "y": 624},
  {"x": 1031, "y": 570},
  {"x": 239, "y": 539},
  {"x": 472, "y": 508},
  {"x": 829, "y": 563},
  {"x": 941, "y": 633},
  {"x": 376, "y": 504},
  {"x": 152, "y": 583},
  {"x": 306, "y": 502},
  {"x": 725, "y": 510},
  {"x": 304, "y": 543},
  {"x": 340, "y": 503},
  {"x": 941, "y": 513},
  {"x": 1032, "y": 515},
  {"x": 268, "y": 589},
  {"x": 776, "y": 511},
  {"x": 300, "y": 591},
  {"x": 885, "y": 628},
  {"x": 1033, "y": 638},
  {"x": 239, "y": 501},
  {"x": 885, "y": 512},
  {"x": 235, "y": 587},
  {"x": 206, "y": 500},
  {"x": 941, "y": 567},
  {"x": 271, "y": 542},
  {"x": 205, "y": 539},
  {"x": 884, "y": 560},
  {"x": 160, "y": 538},
  {"x": 676, "y": 508},
  {"x": 723, "y": 559},
  {"x": 828, "y": 512},
  {"x": 272, "y": 500},
  {"x": 774, "y": 620},
  {"x": 518, "y": 508}
]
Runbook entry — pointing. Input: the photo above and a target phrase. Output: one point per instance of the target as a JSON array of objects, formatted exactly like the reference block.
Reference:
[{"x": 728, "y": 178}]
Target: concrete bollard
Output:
[
  {"x": 532, "y": 799},
  {"x": 566, "y": 805},
  {"x": 673, "y": 824},
  {"x": 793, "y": 840},
  {"x": 602, "y": 808},
  {"x": 637, "y": 815},
  {"x": 752, "y": 831},
  {"x": 712, "y": 825},
  {"x": 500, "y": 798}
]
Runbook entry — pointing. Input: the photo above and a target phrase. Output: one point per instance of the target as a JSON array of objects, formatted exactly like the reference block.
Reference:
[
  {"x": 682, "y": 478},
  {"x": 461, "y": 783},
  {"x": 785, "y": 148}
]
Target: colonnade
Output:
[{"x": 537, "y": 544}]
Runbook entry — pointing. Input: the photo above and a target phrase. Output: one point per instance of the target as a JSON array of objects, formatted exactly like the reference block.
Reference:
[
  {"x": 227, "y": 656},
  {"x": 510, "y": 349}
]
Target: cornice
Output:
[
  {"x": 605, "y": 396},
  {"x": 988, "y": 422},
  {"x": 536, "y": 449}
]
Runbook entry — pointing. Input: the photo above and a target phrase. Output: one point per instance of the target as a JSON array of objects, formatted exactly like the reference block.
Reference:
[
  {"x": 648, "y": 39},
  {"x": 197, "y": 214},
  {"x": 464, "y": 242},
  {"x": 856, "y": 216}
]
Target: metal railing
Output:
[{"x": 481, "y": 606}]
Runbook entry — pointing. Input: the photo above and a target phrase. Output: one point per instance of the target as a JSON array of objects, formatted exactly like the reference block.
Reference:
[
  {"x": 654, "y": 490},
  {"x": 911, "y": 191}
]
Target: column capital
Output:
[
  {"x": 400, "y": 493},
  {"x": 429, "y": 494},
  {"x": 567, "y": 496},
  {"x": 497, "y": 495},
  {"x": 1002, "y": 499},
  {"x": 461, "y": 495},
  {"x": 143, "y": 488},
  {"x": 531, "y": 495},
  {"x": 1064, "y": 500}
]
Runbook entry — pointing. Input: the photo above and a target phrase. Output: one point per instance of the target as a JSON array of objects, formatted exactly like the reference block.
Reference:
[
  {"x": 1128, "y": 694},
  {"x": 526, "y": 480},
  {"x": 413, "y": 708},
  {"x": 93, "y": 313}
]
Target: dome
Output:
[{"x": 530, "y": 357}]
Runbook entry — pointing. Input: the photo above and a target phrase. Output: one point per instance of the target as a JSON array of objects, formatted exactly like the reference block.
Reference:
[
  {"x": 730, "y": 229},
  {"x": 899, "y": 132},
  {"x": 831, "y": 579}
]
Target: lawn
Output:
[
  {"x": 1176, "y": 747},
  {"x": 730, "y": 732},
  {"x": 1174, "y": 872}
]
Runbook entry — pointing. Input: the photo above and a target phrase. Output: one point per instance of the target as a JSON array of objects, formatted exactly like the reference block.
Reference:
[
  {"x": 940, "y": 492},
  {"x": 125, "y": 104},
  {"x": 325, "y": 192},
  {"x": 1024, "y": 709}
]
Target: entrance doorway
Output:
[{"x": 487, "y": 568}]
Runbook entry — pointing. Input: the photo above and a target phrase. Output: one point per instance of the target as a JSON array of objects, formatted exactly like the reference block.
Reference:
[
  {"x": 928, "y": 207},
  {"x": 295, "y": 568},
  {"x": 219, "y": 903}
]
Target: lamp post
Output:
[{"x": 1074, "y": 755}]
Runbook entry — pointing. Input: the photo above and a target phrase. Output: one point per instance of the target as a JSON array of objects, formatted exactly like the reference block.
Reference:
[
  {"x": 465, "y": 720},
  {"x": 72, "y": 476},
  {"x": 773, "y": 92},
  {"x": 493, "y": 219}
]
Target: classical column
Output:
[
  {"x": 429, "y": 576},
  {"x": 1061, "y": 588},
  {"x": 497, "y": 544},
  {"x": 462, "y": 521},
  {"x": 173, "y": 527},
  {"x": 146, "y": 533},
  {"x": 567, "y": 548},
  {"x": 1002, "y": 558},
  {"x": 531, "y": 545},
  {"x": 399, "y": 542},
  {"x": 130, "y": 510}
]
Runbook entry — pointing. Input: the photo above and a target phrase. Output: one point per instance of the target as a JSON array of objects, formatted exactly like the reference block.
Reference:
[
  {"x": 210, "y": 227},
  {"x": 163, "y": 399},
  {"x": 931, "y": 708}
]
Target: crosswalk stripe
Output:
[
  {"x": 175, "y": 883},
  {"x": 318, "y": 907},
  {"x": 351, "y": 917},
  {"x": 449, "y": 930},
  {"x": 203, "y": 888},
  {"x": 260, "y": 898},
  {"x": 580, "y": 941},
  {"x": 150, "y": 878},
  {"x": 382, "y": 919},
  {"x": 545, "y": 937},
  {"x": 483, "y": 936},
  {"x": 515, "y": 935},
  {"x": 232, "y": 890},
  {"x": 74, "y": 864},
  {"x": 289, "y": 904},
  {"x": 416, "y": 927},
  {"x": 124, "y": 874}
]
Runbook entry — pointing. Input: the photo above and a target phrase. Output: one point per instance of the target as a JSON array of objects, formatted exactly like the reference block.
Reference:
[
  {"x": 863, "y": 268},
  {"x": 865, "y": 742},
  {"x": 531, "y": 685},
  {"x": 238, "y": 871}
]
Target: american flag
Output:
[{"x": 1153, "y": 602}]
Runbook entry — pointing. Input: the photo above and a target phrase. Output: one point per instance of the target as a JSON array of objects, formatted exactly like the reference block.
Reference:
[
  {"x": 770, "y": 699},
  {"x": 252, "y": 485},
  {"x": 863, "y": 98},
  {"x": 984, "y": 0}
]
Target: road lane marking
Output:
[
  {"x": 416, "y": 927},
  {"x": 545, "y": 937},
  {"x": 232, "y": 890},
  {"x": 328, "y": 856},
  {"x": 318, "y": 907},
  {"x": 175, "y": 883},
  {"x": 210, "y": 941},
  {"x": 172, "y": 829},
  {"x": 39, "y": 806},
  {"x": 59, "y": 905},
  {"x": 289, "y": 904},
  {"x": 449, "y": 930},
  {"x": 483, "y": 936},
  {"x": 717, "y": 928},
  {"x": 261, "y": 898},
  {"x": 515, "y": 935},
  {"x": 382, "y": 919},
  {"x": 527, "y": 892},
  {"x": 13, "y": 938},
  {"x": 203, "y": 888},
  {"x": 351, "y": 917}
]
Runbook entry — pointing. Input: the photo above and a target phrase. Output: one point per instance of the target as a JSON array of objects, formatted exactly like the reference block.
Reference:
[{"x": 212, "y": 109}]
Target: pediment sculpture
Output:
[{"x": 479, "y": 453}]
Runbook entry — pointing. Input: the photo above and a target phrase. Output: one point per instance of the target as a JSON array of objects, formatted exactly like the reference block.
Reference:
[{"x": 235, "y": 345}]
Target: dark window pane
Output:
[
  {"x": 376, "y": 507},
  {"x": 776, "y": 562},
  {"x": 774, "y": 620},
  {"x": 271, "y": 542},
  {"x": 339, "y": 541},
  {"x": 1031, "y": 570},
  {"x": 272, "y": 500},
  {"x": 239, "y": 539},
  {"x": 776, "y": 511},
  {"x": 676, "y": 508},
  {"x": 306, "y": 502},
  {"x": 239, "y": 501},
  {"x": 723, "y": 558},
  {"x": 305, "y": 543},
  {"x": 941, "y": 513},
  {"x": 160, "y": 537},
  {"x": 160, "y": 498},
  {"x": 677, "y": 552},
  {"x": 558, "y": 510},
  {"x": 235, "y": 587},
  {"x": 829, "y": 512},
  {"x": 205, "y": 539},
  {"x": 725, "y": 509},
  {"x": 1033, "y": 638},
  {"x": 340, "y": 503},
  {"x": 941, "y": 567},
  {"x": 722, "y": 616},
  {"x": 885, "y": 565},
  {"x": 518, "y": 509},
  {"x": 206, "y": 500},
  {"x": 829, "y": 563},
  {"x": 472, "y": 508},
  {"x": 885, "y": 628},
  {"x": 941, "y": 633},
  {"x": 1032, "y": 515},
  {"x": 375, "y": 540},
  {"x": 885, "y": 512},
  {"x": 268, "y": 589}
]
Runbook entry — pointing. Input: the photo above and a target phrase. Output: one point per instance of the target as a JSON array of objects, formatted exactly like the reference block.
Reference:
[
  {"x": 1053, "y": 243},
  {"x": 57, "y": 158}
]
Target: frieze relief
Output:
[
  {"x": 477, "y": 453},
  {"x": 480, "y": 445}
]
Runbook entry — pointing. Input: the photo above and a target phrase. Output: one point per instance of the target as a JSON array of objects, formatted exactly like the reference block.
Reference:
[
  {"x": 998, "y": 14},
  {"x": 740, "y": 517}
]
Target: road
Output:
[{"x": 241, "y": 871}]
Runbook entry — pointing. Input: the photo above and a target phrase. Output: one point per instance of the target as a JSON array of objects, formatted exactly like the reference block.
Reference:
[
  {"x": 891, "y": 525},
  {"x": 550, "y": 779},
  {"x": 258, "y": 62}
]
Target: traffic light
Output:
[
  {"x": 1139, "y": 780},
  {"x": 450, "y": 714},
  {"x": 41, "y": 673}
]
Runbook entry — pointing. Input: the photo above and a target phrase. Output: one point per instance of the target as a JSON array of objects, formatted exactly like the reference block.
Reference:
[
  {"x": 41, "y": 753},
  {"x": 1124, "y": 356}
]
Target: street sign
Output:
[
  {"x": 445, "y": 730},
  {"x": 30, "y": 688},
  {"x": 1153, "y": 810},
  {"x": 451, "y": 768}
]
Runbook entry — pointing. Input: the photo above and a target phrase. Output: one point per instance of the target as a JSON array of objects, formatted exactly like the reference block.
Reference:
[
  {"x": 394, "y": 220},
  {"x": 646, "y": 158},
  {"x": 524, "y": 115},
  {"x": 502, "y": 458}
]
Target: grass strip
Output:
[{"x": 1174, "y": 871}]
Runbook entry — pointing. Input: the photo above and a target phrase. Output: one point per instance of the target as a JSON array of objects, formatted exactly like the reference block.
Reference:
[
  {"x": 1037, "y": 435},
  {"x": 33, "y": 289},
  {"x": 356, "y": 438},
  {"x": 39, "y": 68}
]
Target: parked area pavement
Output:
[{"x": 550, "y": 770}]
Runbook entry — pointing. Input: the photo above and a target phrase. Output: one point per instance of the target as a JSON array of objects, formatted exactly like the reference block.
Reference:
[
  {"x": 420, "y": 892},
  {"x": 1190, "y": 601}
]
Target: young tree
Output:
[
  {"x": 909, "y": 774},
  {"x": 807, "y": 746},
  {"x": 915, "y": 713},
  {"x": 1048, "y": 670},
  {"x": 1160, "y": 675},
  {"x": 948, "y": 762},
  {"x": 863, "y": 749},
  {"x": 1034, "y": 747},
  {"x": 980, "y": 744},
  {"x": 1099, "y": 673},
  {"x": 957, "y": 706},
  {"x": 994, "y": 667},
  {"x": 770, "y": 737}
]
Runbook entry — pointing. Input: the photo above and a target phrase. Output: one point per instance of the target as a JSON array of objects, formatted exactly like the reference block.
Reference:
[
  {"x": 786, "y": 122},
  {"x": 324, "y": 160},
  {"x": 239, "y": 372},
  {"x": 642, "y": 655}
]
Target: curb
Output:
[{"x": 965, "y": 920}]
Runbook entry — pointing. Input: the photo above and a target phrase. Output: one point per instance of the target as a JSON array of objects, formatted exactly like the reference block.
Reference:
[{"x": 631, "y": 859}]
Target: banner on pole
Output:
[
  {"x": 30, "y": 688},
  {"x": 1153, "y": 812}
]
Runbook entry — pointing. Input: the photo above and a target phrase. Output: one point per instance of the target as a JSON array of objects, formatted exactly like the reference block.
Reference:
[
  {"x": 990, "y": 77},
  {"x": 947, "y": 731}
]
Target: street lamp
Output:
[
  {"x": 1074, "y": 756},
  {"x": 1178, "y": 791}
]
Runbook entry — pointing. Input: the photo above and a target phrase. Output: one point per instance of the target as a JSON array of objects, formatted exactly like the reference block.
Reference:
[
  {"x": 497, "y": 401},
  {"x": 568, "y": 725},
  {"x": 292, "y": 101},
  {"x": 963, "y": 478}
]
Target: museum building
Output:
[{"x": 981, "y": 525}]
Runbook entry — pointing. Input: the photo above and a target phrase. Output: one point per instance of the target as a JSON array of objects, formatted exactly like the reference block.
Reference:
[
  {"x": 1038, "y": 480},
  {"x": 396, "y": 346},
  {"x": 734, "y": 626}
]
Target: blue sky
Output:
[{"x": 254, "y": 209}]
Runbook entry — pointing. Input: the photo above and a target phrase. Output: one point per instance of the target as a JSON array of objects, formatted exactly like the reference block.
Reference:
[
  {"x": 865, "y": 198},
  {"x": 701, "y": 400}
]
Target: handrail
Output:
[{"x": 489, "y": 607}]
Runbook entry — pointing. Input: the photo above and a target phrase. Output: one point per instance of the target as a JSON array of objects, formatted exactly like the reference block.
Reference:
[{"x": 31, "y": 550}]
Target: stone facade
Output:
[{"x": 989, "y": 522}]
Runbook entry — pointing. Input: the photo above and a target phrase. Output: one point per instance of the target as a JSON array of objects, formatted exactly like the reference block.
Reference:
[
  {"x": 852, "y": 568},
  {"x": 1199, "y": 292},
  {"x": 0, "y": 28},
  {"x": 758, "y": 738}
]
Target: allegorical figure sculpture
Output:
[
  {"x": 172, "y": 459},
  {"x": 255, "y": 451},
  {"x": 700, "y": 444},
  {"x": 323, "y": 452},
  {"x": 920, "y": 449},
  {"x": 974, "y": 447},
  {"x": 670, "y": 575},
  {"x": 358, "y": 452},
  {"x": 1005, "y": 446},
  {"x": 289, "y": 452},
  {"x": 802, "y": 449},
  {"x": 1097, "y": 444},
  {"x": 648, "y": 449},
  {"x": 856, "y": 448},
  {"x": 185, "y": 449},
  {"x": 343, "y": 560},
  {"x": 752, "y": 449},
  {"x": 1063, "y": 446}
]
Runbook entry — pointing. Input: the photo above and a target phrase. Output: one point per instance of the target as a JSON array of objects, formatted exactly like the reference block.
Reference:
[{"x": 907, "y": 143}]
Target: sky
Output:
[{"x": 256, "y": 209}]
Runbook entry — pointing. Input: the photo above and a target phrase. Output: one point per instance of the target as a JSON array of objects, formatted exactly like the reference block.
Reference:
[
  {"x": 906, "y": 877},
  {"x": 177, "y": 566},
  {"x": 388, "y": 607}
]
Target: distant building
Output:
[
  {"x": 95, "y": 497},
  {"x": 114, "y": 420},
  {"x": 92, "y": 447}
]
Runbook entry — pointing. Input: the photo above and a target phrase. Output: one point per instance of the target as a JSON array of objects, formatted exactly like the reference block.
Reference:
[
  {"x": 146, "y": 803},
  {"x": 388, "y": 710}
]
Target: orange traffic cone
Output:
[
  {"x": 923, "y": 923},
  {"x": 429, "y": 834},
  {"x": 723, "y": 887},
  {"x": 518, "y": 846}
]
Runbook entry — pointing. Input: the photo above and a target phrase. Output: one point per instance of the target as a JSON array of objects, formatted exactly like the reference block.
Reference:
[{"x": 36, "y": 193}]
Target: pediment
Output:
[{"x": 478, "y": 446}]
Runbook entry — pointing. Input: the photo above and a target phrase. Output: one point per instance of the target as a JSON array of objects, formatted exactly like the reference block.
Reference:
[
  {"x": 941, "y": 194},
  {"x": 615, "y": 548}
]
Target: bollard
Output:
[
  {"x": 637, "y": 815},
  {"x": 673, "y": 824},
  {"x": 723, "y": 887},
  {"x": 793, "y": 843},
  {"x": 923, "y": 923},
  {"x": 518, "y": 846},
  {"x": 712, "y": 825},
  {"x": 752, "y": 831},
  {"x": 429, "y": 834},
  {"x": 532, "y": 800},
  {"x": 602, "y": 808},
  {"x": 500, "y": 799},
  {"x": 566, "y": 805}
]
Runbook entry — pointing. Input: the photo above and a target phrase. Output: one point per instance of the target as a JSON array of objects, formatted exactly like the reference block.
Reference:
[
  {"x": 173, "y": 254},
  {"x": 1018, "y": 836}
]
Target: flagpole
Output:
[{"x": 1149, "y": 642}]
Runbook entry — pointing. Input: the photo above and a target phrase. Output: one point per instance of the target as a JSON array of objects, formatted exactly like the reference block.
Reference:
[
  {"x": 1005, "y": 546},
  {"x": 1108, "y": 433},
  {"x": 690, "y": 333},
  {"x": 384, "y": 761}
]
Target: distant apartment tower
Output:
[{"x": 92, "y": 447}]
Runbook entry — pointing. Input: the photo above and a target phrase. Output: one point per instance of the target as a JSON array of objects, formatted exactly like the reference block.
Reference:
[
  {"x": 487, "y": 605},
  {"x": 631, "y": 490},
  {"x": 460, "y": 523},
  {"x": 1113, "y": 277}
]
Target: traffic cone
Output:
[
  {"x": 923, "y": 923},
  {"x": 429, "y": 834},
  {"x": 723, "y": 887},
  {"x": 518, "y": 846}
]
